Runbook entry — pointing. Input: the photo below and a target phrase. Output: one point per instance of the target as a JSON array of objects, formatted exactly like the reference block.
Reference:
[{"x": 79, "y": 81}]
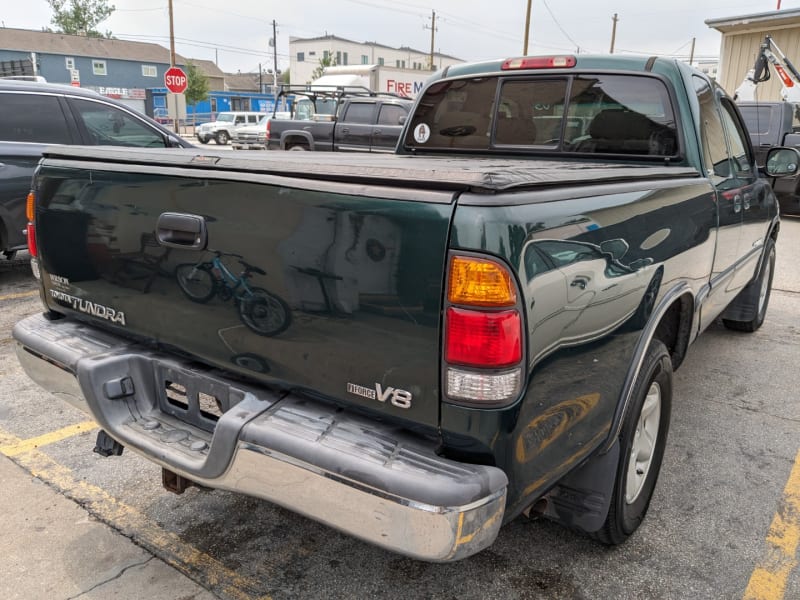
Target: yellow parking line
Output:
[
  {"x": 23, "y": 446},
  {"x": 19, "y": 295},
  {"x": 768, "y": 581},
  {"x": 134, "y": 525}
]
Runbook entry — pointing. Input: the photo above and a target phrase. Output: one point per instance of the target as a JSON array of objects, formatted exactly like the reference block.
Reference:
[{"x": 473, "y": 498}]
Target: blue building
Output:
[{"x": 132, "y": 72}]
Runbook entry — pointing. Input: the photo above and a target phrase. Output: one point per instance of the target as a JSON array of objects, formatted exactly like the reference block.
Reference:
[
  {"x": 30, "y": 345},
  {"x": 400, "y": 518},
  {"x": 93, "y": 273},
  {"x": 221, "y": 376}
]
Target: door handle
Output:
[
  {"x": 579, "y": 282},
  {"x": 179, "y": 230},
  {"x": 346, "y": 131}
]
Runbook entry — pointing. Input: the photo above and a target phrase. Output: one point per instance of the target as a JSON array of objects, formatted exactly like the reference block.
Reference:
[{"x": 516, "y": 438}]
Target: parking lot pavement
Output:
[{"x": 724, "y": 522}]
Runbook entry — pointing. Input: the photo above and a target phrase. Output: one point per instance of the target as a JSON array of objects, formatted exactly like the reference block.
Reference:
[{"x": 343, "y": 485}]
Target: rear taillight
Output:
[
  {"x": 31, "y": 230},
  {"x": 32, "y": 249},
  {"x": 268, "y": 126},
  {"x": 483, "y": 341}
]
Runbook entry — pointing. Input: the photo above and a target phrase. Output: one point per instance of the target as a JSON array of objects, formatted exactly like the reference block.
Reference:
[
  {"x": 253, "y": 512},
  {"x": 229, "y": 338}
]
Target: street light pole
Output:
[{"x": 172, "y": 64}]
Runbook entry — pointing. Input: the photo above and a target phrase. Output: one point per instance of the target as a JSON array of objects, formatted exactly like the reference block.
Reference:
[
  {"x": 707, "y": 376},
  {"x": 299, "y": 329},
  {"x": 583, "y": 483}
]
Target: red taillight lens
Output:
[
  {"x": 32, "y": 249},
  {"x": 268, "y": 126},
  {"x": 539, "y": 62},
  {"x": 483, "y": 339}
]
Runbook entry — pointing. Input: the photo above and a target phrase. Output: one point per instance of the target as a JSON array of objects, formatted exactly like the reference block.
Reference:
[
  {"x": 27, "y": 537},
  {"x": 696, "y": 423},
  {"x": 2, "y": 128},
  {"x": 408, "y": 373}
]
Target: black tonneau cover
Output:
[{"x": 433, "y": 172}]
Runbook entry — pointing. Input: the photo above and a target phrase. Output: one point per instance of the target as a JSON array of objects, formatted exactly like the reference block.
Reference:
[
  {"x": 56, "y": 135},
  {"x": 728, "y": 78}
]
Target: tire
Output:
[
  {"x": 202, "y": 140},
  {"x": 196, "y": 282},
  {"x": 297, "y": 147},
  {"x": 265, "y": 313},
  {"x": 222, "y": 138},
  {"x": 642, "y": 442},
  {"x": 755, "y": 297}
]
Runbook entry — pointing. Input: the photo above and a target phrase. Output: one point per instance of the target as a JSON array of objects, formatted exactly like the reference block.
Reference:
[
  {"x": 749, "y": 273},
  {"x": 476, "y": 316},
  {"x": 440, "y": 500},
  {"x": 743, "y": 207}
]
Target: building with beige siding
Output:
[
  {"x": 306, "y": 53},
  {"x": 741, "y": 38}
]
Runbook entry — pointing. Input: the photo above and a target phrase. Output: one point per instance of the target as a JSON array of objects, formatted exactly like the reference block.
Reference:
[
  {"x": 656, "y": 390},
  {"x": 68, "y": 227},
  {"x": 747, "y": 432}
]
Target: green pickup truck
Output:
[{"x": 414, "y": 348}]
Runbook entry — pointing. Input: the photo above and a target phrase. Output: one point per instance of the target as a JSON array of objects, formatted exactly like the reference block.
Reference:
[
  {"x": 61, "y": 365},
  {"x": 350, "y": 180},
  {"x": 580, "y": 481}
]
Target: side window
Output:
[
  {"x": 360, "y": 112},
  {"x": 252, "y": 119},
  {"x": 239, "y": 120},
  {"x": 32, "y": 118},
  {"x": 390, "y": 114},
  {"x": 715, "y": 152},
  {"x": 107, "y": 125},
  {"x": 742, "y": 160}
]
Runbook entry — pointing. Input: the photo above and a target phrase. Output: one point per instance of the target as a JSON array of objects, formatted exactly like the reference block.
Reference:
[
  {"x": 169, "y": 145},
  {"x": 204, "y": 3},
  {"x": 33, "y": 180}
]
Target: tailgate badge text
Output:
[
  {"x": 395, "y": 397},
  {"x": 90, "y": 308}
]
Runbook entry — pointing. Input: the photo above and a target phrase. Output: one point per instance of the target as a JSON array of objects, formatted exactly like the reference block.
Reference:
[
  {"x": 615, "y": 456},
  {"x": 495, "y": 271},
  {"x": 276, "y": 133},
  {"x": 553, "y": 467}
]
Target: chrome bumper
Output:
[{"x": 365, "y": 478}]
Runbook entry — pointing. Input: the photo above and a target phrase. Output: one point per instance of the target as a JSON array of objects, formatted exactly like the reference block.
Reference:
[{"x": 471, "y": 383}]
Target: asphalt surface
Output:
[{"x": 725, "y": 514}]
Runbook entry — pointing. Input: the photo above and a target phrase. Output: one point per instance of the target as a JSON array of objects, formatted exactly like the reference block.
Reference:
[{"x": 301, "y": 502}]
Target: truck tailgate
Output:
[{"x": 322, "y": 288}]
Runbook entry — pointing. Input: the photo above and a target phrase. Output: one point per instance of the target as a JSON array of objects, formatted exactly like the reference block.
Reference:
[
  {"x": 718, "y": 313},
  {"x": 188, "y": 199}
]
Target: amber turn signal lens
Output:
[
  {"x": 478, "y": 282},
  {"x": 29, "y": 206}
]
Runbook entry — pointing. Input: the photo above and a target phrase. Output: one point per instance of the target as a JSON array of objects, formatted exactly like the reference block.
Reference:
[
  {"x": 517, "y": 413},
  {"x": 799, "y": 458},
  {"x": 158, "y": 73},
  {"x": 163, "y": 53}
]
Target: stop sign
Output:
[{"x": 175, "y": 80}]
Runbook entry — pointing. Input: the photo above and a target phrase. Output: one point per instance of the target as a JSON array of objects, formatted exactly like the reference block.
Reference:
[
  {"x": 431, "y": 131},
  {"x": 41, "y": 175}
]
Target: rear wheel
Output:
[
  {"x": 755, "y": 297},
  {"x": 297, "y": 147},
  {"x": 195, "y": 281},
  {"x": 642, "y": 442},
  {"x": 264, "y": 313}
]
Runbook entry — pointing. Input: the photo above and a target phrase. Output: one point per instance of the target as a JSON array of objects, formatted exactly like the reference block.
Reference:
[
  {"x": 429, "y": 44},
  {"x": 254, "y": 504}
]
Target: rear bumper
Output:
[{"x": 365, "y": 478}]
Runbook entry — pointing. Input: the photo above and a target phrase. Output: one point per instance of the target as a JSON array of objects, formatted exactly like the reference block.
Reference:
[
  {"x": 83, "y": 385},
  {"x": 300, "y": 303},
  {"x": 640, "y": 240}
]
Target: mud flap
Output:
[{"x": 581, "y": 500}]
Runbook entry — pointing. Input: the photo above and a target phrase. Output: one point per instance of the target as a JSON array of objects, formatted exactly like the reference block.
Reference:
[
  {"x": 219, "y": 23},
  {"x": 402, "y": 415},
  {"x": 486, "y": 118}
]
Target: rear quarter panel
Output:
[{"x": 584, "y": 311}]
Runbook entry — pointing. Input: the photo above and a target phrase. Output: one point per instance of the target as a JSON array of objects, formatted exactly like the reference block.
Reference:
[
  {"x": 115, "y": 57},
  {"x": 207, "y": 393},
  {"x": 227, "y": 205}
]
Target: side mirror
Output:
[
  {"x": 616, "y": 248},
  {"x": 782, "y": 162}
]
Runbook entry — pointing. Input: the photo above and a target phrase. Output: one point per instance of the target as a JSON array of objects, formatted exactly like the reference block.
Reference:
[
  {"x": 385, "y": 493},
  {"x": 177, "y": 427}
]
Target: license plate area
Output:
[{"x": 192, "y": 397}]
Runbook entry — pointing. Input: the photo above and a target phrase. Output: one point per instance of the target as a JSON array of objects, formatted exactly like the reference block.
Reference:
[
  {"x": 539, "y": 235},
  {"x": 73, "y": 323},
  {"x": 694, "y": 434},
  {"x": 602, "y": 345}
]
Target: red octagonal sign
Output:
[{"x": 175, "y": 80}]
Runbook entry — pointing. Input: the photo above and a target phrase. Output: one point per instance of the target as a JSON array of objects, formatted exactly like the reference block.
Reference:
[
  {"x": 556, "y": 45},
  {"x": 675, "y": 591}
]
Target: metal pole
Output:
[
  {"x": 527, "y": 29},
  {"x": 433, "y": 33},
  {"x": 274, "y": 56},
  {"x": 613, "y": 33},
  {"x": 172, "y": 64},
  {"x": 171, "y": 38},
  {"x": 691, "y": 54}
]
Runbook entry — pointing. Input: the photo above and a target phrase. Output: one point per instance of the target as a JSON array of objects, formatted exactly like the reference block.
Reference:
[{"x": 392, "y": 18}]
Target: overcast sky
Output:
[{"x": 238, "y": 33}]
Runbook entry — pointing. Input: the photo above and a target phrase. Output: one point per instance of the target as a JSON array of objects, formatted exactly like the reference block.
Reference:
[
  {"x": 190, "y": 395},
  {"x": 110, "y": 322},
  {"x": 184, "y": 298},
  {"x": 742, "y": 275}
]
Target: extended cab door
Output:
[
  {"x": 391, "y": 118},
  {"x": 353, "y": 131},
  {"x": 731, "y": 181}
]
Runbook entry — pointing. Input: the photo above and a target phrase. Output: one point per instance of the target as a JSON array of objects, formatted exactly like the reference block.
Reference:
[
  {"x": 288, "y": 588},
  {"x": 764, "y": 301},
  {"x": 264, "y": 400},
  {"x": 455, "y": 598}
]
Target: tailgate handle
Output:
[{"x": 177, "y": 230}]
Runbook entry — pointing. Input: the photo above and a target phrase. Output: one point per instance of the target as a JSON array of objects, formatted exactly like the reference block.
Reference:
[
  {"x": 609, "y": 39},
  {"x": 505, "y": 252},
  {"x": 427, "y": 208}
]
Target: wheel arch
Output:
[
  {"x": 671, "y": 323},
  {"x": 292, "y": 137}
]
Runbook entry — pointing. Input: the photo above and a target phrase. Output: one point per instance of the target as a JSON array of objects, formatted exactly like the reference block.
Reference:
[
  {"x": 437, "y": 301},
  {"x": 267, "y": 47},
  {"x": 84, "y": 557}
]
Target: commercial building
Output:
[
  {"x": 741, "y": 38},
  {"x": 306, "y": 54}
]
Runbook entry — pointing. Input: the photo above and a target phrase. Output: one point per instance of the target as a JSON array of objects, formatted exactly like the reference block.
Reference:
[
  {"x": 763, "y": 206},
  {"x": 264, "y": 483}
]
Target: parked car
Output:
[
  {"x": 772, "y": 124},
  {"x": 226, "y": 124},
  {"x": 34, "y": 115},
  {"x": 254, "y": 137}
]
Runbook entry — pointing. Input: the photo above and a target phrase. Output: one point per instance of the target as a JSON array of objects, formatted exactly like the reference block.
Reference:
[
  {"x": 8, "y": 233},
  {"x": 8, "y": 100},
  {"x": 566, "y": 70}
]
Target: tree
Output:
[
  {"x": 325, "y": 61},
  {"x": 80, "y": 17},
  {"x": 196, "y": 86}
]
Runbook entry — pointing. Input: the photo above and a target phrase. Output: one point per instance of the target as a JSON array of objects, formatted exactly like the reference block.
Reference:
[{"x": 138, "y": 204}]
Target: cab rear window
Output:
[{"x": 586, "y": 114}]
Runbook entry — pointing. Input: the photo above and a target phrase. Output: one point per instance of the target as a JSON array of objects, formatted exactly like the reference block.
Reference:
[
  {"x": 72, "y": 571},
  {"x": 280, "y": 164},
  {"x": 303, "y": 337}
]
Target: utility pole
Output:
[
  {"x": 433, "y": 37},
  {"x": 274, "y": 56},
  {"x": 527, "y": 29},
  {"x": 613, "y": 33},
  {"x": 691, "y": 54}
]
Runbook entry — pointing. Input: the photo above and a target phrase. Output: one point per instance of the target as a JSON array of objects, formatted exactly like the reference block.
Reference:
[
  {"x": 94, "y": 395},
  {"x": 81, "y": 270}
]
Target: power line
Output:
[{"x": 555, "y": 20}]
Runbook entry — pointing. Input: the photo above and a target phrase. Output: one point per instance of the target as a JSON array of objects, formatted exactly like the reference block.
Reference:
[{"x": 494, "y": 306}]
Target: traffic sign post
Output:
[{"x": 175, "y": 80}]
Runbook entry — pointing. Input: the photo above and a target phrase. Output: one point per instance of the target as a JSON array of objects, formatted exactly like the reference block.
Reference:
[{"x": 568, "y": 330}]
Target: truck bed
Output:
[{"x": 435, "y": 172}]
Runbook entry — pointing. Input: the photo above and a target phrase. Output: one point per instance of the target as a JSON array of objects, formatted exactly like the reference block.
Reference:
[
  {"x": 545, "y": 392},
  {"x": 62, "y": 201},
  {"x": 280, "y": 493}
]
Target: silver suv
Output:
[{"x": 222, "y": 129}]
